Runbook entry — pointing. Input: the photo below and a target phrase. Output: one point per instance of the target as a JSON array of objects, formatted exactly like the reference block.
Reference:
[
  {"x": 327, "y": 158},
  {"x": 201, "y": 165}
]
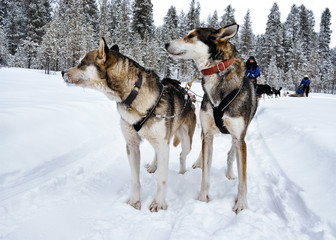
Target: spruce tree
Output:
[
  {"x": 324, "y": 51},
  {"x": 15, "y": 24},
  {"x": 143, "y": 18},
  {"x": 91, "y": 12},
  {"x": 193, "y": 16},
  {"x": 213, "y": 21},
  {"x": 228, "y": 16},
  {"x": 170, "y": 32},
  {"x": 273, "y": 38},
  {"x": 4, "y": 55},
  {"x": 246, "y": 38},
  {"x": 170, "y": 26},
  {"x": 306, "y": 31}
]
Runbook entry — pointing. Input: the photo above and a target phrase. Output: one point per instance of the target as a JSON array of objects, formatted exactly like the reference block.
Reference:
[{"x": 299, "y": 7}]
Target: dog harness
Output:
[
  {"x": 134, "y": 93},
  {"x": 218, "y": 111}
]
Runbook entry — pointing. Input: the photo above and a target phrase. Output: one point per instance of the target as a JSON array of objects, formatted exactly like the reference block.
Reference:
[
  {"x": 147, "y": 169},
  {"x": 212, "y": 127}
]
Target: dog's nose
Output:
[
  {"x": 167, "y": 45},
  {"x": 63, "y": 72}
]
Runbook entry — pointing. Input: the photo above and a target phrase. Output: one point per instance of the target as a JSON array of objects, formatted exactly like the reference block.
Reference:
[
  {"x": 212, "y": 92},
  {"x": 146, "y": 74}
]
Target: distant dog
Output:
[
  {"x": 149, "y": 108},
  {"x": 276, "y": 92},
  {"x": 229, "y": 101},
  {"x": 264, "y": 89}
]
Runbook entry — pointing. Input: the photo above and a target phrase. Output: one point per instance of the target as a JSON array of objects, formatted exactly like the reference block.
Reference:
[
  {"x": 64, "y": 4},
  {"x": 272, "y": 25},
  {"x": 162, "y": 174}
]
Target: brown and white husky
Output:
[
  {"x": 229, "y": 101},
  {"x": 149, "y": 109}
]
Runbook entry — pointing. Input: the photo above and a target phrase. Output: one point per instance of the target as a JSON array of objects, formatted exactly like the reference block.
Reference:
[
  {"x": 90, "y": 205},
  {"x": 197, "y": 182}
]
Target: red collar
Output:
[{"x": 220, "y": 67}]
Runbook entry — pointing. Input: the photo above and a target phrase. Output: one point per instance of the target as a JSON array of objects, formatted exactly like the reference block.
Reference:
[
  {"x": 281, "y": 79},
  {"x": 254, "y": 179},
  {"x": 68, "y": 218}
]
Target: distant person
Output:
[
  {"x": 305, "y": 82},
  {"x": 252, "y": 70}
]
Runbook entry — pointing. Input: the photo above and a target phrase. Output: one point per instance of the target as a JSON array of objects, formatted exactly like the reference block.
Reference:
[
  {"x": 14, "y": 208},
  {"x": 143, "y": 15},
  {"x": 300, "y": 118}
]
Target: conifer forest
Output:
[{"x": 54, "y": 34}]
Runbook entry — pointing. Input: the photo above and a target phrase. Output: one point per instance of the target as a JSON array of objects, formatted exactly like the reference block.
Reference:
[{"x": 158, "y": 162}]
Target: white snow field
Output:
[{"x": 64, "y": 172}]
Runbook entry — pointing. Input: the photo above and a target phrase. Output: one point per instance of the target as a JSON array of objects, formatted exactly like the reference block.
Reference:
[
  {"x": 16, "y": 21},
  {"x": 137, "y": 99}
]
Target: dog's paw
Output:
[
  {"x": 155, "y": 206},
  {"x": 151, "y": 168},
  {"x": 136, "y": 205},
  {"x": 230, "y": 175},
  {"x": 240, "y": 205},
  {"x": 182, "y": 171},
  {"x": 203, "y": 198}
]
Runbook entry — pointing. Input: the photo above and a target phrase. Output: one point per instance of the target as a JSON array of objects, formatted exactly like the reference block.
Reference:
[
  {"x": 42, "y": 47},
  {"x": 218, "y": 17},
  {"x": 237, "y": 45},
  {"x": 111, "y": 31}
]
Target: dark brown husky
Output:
[
  {"x": 229, "y": 102},
  {"x": 149, "y": 108}
]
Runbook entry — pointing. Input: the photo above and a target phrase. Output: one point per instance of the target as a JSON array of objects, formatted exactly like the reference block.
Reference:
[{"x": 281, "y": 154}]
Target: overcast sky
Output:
[{"x": 260, "y": 9}]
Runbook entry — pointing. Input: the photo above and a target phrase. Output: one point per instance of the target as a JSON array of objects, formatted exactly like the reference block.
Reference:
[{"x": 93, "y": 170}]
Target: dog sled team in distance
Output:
[{"x": 161, "y": 111}]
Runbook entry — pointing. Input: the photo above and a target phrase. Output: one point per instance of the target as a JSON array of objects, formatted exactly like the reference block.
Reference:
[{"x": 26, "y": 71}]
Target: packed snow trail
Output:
[{"x": 64, "y": 171}]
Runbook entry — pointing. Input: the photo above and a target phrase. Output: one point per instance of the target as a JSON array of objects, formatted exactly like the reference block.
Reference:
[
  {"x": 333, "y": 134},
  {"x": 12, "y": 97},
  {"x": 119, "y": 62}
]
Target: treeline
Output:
[{"x": 54, "y": 35}]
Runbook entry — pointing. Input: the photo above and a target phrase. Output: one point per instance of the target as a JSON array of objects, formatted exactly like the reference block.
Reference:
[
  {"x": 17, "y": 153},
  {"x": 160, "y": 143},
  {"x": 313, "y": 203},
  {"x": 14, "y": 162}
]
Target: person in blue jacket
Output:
[
  {"x": 305, "y": 82},
  {"x": 252, "y": 70}
]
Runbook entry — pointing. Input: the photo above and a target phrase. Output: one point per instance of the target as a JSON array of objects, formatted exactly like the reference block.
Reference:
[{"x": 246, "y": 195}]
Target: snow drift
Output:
[{"x": 64, "y": 172}]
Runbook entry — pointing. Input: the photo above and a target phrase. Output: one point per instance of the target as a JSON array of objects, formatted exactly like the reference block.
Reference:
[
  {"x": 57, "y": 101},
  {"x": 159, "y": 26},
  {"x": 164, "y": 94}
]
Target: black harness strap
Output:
[
  {"x": 218, "y": 111},
  {"x": 134, "y": 93},
  {"x": 139, "y": 125},
  {"x": 165, "y": 81}
]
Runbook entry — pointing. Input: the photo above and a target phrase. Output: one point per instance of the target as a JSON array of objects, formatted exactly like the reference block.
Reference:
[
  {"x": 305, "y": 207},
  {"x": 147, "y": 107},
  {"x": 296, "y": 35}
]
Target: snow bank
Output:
[{"x": 64, "y": 172}]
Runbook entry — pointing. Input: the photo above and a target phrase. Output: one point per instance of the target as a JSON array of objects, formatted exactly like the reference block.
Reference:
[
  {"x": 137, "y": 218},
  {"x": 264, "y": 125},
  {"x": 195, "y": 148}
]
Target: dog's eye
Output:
[
  {"x": 81, "y": 64},
  {"x": 191, "y": 36}
]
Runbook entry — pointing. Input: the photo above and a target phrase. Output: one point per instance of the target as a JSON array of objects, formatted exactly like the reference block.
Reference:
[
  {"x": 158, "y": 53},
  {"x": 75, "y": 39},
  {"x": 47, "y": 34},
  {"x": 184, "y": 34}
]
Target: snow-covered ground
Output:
[{"x": 64, "y": 172}]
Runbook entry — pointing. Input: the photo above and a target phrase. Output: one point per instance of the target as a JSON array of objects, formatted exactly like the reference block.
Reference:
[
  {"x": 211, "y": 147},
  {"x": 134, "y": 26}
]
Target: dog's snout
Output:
[
  {"x": 167, "y": 45},
  {"x": 63, "y": 72}
]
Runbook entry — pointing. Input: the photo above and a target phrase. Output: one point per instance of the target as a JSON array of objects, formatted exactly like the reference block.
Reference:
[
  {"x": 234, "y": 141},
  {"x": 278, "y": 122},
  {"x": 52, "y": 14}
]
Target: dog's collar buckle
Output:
[{"x": 219, "y": 70}]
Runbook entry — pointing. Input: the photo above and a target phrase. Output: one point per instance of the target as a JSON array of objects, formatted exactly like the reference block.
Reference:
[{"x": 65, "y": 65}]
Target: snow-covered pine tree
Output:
[
  {"x": 228, "y": 16},
  {"x": 47, "y": 49},
  {"x": 273, "y": 74},
  {"x": 213, "y": 21},
  {"x": 246, "y": 38},
  {"x": 169, "y": 32},
  {"x": 313, "y": 69},
  {"x": 120, "y": 25},
  {"x": 15, "y": 24},
  {"x": 143, "y": 18},
  {"x": 306, "y": 32},
  {"x": 114, "y": 20},
  {"x": 289, "y": 79},
  {"x": 193, "y": 16},
  {"x": 170, "y": 25},
  {"x": 103, "y": 20},
  {"x": 261, "y": 53},
  {"x": 183, "y": 25},
  {"x": 91, "y": 12},
  {"x": 4, "y": 55},
  {"x": 273, "y": 39},
  {"x": 333, "y": 62},
  {"x": 324, "y": 38}
]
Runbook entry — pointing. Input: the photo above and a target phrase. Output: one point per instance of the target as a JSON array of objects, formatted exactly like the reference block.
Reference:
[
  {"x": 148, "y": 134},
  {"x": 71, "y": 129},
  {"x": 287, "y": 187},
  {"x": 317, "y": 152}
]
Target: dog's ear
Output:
[
  {"x": 103, "y": 50},
  {"x": 115, "y": 48},
  {"x": 227, "y": 32}
]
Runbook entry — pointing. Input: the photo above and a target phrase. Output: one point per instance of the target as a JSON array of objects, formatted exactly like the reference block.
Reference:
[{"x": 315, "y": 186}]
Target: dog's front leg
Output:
[
  {"x": 133, "y": 154},
  {"x": 230, "y": 159},
  {"x": 207, "y": 148},
  {"x": 162, "y": 152},
  {"x": 241, "y": 201}
]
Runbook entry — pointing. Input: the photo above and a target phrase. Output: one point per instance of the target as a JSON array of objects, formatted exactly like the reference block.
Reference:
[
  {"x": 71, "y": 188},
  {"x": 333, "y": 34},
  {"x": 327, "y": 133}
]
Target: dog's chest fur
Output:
[{"x": 217, "y": 87}]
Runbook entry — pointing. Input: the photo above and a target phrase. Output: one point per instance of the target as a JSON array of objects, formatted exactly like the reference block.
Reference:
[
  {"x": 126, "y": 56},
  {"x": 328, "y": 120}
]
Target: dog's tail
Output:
[{"x": 176, "y": 141}]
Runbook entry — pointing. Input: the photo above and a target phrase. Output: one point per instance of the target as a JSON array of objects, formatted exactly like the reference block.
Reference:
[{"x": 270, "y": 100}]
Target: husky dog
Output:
[
  {"x": 149, "y": 109},
  {"x": 229, "y": 101}
]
